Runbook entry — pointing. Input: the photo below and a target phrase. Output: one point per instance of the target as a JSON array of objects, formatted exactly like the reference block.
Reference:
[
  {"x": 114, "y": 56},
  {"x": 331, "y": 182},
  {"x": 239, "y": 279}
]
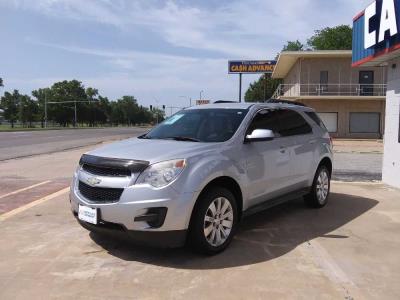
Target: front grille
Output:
[
  {"x": 100, "y": 194},
  {"x": 105, "y": 171}
]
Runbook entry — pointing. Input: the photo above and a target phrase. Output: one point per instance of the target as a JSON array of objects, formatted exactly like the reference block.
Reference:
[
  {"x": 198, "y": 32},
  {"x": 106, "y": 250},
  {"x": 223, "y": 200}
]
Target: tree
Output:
[
  {"x": 334, "y": 38},
  {"x": 91, "y": 94},
  {"x": 10, "y": 103},
  {"x": 28, "y": 110},
  {"x": 293, "y": 46},
  {"x": 1, "y": 82},
  {"x": 71, "y": 93},
  {"x": 40, "y": 96},
  {"x": 261, "y": 89}
]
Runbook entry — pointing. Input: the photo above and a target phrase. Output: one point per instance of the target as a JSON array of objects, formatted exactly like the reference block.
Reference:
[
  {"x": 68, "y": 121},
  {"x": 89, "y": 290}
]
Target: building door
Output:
[
  {"x": 323, "y": 82},
  {"x": 366, "y": 81}
]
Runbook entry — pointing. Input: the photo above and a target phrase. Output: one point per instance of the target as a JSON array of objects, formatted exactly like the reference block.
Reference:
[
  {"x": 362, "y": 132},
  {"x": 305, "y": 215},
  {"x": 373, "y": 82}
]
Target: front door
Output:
[
  {"x": 366, "y": 81},
  {"x": 267, "y": 162}
]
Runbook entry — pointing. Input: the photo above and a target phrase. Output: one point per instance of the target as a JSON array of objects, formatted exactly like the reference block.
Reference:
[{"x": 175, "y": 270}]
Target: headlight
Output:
[{"x": 163, "y": 173}]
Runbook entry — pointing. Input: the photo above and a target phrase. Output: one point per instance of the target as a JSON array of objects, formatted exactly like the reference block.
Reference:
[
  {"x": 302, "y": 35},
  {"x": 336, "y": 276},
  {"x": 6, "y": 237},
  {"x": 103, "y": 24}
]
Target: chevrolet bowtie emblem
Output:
[{"x": 93, "y": 180}]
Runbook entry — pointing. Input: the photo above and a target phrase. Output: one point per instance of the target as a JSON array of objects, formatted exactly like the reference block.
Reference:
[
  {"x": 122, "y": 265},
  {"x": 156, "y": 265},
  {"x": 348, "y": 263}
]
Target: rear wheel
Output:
[
  {"x": 214, "y": 221},
  {"x": 318, "y": 196}
]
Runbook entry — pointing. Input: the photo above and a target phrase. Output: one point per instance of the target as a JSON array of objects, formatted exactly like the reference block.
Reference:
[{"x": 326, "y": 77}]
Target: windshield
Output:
[{"x": 199, "y": 125}]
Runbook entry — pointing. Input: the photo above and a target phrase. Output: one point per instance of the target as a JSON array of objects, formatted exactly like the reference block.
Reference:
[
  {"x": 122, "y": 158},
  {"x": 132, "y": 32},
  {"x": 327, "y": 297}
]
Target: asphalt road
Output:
[
  {"x": 27, "y": 143},
  {"x": 348, "y": 166},
  {"x": 357, "y": 166}
]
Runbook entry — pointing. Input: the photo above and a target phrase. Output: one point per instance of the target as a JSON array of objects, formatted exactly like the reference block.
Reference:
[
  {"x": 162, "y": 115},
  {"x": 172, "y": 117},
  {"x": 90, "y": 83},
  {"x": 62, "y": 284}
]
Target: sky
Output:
[{"x": 161, "y": 52}]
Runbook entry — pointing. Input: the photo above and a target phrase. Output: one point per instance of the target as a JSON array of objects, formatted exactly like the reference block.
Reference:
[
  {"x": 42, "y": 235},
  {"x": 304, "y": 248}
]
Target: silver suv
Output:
[{"x": 194, "y": 176}]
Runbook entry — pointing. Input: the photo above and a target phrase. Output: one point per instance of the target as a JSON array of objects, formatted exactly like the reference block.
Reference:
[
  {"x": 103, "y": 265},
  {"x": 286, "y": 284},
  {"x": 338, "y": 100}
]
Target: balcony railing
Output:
[{"x": 299, "y": 90}]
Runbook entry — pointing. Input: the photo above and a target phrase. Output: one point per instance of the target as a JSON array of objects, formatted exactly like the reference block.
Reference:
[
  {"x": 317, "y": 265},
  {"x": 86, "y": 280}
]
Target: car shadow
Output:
[{"x": 261, "y": 237}]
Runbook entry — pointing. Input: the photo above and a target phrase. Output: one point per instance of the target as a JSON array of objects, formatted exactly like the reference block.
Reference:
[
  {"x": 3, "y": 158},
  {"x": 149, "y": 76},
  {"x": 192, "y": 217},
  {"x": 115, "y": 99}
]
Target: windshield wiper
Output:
[
  {"x": 183, "y": 138},
  {"x": 144, "y": 136}
]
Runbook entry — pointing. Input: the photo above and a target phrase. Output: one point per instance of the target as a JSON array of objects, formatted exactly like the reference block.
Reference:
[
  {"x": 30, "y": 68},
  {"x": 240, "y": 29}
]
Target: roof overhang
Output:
[
  {"x": 287, "y": 59},
  {"x": 327, "y": 98}
]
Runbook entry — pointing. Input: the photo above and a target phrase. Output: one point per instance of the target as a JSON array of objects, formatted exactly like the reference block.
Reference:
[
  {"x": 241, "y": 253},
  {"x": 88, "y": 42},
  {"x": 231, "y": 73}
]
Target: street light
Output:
[
  {"x": 201, "y": 92},
  {"x": 190, "y": 99}
]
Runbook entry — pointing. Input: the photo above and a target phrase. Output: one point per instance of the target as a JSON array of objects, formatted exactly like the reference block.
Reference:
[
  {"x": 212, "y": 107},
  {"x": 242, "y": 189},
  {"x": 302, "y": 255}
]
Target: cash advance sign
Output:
[
  {"x": 251, "y": 66},
  {"x": 376, "y": 31}
]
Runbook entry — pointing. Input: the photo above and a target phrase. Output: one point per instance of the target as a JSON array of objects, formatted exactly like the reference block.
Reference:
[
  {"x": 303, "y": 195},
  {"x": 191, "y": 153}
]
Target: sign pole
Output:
[{"x": 240, "y": 87}]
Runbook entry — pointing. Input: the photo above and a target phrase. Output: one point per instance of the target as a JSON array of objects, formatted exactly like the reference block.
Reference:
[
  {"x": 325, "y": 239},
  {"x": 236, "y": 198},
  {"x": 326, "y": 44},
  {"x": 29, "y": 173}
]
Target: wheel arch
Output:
[
  {"x": 228, "y": 183},
  {"x": 327, "y": 162}
]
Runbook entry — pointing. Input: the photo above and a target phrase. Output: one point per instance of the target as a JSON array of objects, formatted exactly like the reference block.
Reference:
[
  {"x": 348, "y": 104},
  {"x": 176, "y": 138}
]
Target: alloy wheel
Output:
[
  {"x": 218, "y": 221},
  {"x": 322, "y": 187}
]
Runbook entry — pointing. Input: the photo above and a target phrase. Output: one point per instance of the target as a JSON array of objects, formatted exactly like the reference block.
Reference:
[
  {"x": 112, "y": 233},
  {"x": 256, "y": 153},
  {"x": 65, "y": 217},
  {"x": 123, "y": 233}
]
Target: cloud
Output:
[
  {"x": 248, "y": 29},
  {"x": 207, "y": 32}
]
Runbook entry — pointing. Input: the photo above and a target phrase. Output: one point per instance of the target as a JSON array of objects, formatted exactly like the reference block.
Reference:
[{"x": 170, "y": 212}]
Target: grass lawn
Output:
[{"x": 6, "y": 128}]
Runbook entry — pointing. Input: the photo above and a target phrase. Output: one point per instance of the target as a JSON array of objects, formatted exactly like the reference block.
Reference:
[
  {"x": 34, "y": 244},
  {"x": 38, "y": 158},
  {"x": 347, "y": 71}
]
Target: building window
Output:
[
  {"x": 365, "y": 122},
  {"x": 323, "y": 82},
  {"x": 330, "y": 120}
]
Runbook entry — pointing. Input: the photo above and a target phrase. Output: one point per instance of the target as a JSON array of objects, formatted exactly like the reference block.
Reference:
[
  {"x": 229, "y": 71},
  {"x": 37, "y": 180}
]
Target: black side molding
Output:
[
  {"x": 276, "y": 201},
  {"x": 130, "y": 164}
]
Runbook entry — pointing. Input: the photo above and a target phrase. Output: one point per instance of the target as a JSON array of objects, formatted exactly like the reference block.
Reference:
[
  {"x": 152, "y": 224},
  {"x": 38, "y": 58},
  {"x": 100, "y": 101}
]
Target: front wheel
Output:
[
  {"x": 214, "y": 221},
  {"x": 318, "y": 196}
]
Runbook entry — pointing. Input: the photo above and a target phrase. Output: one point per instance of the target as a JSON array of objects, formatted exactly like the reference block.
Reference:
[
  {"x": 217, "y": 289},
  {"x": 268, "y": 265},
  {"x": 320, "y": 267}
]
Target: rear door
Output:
[{"x": 302, "y": 149}]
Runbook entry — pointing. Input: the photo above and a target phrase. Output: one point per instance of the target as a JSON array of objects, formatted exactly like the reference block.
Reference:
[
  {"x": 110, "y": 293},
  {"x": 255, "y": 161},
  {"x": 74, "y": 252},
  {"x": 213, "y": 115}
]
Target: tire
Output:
[
  {"x": 318, "y": 196},
  {"x": 209, "y": 231}
]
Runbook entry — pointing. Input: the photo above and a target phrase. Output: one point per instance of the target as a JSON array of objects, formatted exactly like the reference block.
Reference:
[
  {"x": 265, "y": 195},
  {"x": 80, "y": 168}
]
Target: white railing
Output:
[{"x": 298, "y": 90}]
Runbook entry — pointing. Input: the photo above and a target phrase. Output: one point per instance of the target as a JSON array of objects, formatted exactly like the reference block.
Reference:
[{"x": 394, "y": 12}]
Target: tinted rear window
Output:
[{"x": 292, "y": 123}]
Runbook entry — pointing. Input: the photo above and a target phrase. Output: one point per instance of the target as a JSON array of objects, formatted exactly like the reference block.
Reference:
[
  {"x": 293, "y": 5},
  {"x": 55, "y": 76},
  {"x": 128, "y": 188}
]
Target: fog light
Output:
[{"x": 154, "y": 216}]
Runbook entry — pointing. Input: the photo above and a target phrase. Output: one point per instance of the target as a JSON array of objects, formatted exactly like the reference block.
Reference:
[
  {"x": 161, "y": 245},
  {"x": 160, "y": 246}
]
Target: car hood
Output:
[{"x": 153, "y": 150}]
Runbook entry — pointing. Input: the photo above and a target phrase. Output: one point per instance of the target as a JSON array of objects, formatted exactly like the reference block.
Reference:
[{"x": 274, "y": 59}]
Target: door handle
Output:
[{"x": 282, "y": 149}]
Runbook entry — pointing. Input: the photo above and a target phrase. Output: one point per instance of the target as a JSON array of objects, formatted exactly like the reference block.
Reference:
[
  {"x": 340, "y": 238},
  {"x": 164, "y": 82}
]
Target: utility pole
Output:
[
  {"x": 265, "y": 87},
  {"x": 240, "y": 87},
  {"x": 75, "y": 119},
  {"x": 201, "y": 92},
  {"x": 45, "y": 108}
]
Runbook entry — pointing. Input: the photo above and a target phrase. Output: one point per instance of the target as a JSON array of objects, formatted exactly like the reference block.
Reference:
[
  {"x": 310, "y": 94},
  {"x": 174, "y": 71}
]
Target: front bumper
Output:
[
  {"x": 120, "y": 219},
  {"x": 160, "y": 239}
]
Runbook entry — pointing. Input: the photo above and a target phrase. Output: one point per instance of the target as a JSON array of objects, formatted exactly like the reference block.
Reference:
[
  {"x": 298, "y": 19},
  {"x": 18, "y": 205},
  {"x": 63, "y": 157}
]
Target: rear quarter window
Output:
[{"x": 315, "y": 118}]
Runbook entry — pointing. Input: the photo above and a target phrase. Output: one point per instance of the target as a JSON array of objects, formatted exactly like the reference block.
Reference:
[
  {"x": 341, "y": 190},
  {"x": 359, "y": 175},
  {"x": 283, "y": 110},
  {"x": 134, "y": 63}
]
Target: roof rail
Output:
[
  {"x": 224, "y": 101},
  {"x": 279, "y": 101}
]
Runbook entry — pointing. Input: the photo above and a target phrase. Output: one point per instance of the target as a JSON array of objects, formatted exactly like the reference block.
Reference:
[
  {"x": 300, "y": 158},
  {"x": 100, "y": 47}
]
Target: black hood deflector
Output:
[{"x": 134, "y": 166}]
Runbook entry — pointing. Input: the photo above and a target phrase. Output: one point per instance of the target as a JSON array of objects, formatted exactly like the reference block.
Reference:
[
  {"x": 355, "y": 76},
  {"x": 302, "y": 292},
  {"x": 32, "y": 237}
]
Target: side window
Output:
[
  {"x": 315, "y": 118},
  {"x": 292, "y": 123},
  {"x": 265, "y": 119}
]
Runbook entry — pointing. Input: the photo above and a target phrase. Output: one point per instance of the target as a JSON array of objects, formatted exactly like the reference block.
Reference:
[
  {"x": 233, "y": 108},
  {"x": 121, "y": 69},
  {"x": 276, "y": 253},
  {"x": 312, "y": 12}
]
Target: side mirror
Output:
[{"x": 260, "y": 135}]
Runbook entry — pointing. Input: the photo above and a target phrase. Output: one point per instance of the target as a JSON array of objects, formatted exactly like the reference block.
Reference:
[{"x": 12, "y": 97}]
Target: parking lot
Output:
[{"x": 348, "y": 250}]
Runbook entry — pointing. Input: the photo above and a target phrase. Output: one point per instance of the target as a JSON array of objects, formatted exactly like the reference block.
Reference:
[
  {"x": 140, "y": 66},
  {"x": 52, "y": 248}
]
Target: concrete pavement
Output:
[{"x": 348, "y": 250}]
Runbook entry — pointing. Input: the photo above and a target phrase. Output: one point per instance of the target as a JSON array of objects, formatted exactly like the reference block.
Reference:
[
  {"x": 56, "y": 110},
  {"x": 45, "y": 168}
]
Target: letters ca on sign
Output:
[{"x": 385, "y": 21}]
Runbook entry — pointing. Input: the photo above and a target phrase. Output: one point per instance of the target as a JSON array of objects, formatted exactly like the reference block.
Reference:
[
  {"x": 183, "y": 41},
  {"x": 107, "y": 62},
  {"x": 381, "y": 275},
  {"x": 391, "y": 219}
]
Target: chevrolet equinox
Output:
[{"x": 194, "y": 176}]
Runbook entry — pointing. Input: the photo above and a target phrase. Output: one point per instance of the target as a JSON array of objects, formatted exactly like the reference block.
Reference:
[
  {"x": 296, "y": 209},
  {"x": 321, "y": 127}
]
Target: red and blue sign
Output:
[{"x": 376, "y": 31}]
